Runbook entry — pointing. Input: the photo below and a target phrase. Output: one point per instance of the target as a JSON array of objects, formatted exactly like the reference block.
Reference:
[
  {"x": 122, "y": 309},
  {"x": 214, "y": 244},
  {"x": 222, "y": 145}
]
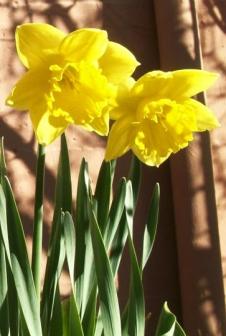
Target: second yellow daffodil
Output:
[
  {"x": 156, "y": 115},
  {"x": 71, "y": 79}
]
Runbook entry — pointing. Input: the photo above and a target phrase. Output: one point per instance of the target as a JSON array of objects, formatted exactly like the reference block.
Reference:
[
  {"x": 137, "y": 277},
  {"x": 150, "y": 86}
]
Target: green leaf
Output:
[
  {"x": 14, "y": 311},
  {"x": 115, "y": 213},
  {"x": 99, "y": 326},
  {"x": 124, "y": 320},
  {"x": 75, "y": 325},
  {"x": 63, "y": 195},
  {"x": 56, "y": 325},
  {"x": 89, "y": 318},
  {"x": 81, "y": 217},
  {"x": 103, "y": 193},
  {"x": 151, "y": 226},
  {"x": 16, "y": 238},
  {"x": 84, "y": 271},
  {"x": 135, "y": 178},
  {"x": 69, "y": 239},
  {"x": 63, "y": 190},
  {"x": 56, "y": 250},
  {"x": 136, "y": 305},
  {"x": 118, "y": 244},
  {"x": 65, "y": 313},
  {"x": 129, "y": 209},
  {"x": 3, "y": 223},
  {"x": 56, "y": 257},
  {"x": 11, "y": 290},
  {"x": 109, "y": 306},
  {"x": 2, "y": 160},
  {"x": 4, "y": 313},
  {"x": 21, "y": 270},
  {"x": 72, "y": 322},
  {"x": 27, "y": 296},
  {"x": 167, "y": 324}
]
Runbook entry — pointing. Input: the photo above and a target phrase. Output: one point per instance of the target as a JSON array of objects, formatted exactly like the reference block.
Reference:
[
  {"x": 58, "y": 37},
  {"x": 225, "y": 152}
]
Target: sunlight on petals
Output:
[
  {"x": 118, "y": 63},
  {"x": 165, "y": 116},
  {"x": 66, "y": 82},
  {"x": 33, "y": 40}
]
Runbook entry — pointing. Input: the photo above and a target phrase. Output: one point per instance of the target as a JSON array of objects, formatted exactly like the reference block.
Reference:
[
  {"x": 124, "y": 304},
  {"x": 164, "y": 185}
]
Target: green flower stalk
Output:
[{"x": 38, "y": 219}]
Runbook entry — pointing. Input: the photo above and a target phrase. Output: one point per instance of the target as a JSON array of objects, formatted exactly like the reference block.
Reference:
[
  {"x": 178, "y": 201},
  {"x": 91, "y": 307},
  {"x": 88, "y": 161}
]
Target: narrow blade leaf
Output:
[
  {"x": 115, "y": 214},
  {"x": 63, "y": 190},
  {"x": 4, "y": 313},
  {"x": 135, "y": 178},
  {"x": 2, "y": 160},
  {"x": 110, "y": 314},
  {"x": 56, "y": 325},
  {"x": 56, "y": 257},
  {"x": 89, "y": 318},
  {"x": 84, "y": 272},
  {"x": 118, "y": 244},
  {"x": 21, "y": 270},
  {"x": 103, "y": 193},
  {"x": 69, "y": 238},
  {"x": 27, "y": 298},
  {"x": 72, "y": 323},
  {"x": 167, "y": 324},
  {"x": 136, "y": 305},
  {"x": 151, "y": 226}
]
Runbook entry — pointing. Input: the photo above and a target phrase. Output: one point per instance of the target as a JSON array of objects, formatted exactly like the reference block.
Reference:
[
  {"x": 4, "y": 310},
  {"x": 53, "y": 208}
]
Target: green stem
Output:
[{"x": 38, "y": 219}]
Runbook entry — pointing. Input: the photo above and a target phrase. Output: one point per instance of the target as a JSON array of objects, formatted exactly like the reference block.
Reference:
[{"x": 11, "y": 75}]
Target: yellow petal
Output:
[
  {"x": 205, "y": 118},
  {"x": 47, "y": 128},
  {"x": 29, "y": 90},
  {"x": 152, "y": 85},
  {"x": 176, "y": 85},
  {"x": 125, "y": 103},
  {"x": 101, "y": 124},
  {"x": 118, "y": 63},
  {"x": 34, "y": 39},
  {"x": 119, "y": 139},
  {"x": 187, "y": 83},
  {"x": 84, "y": 44}
]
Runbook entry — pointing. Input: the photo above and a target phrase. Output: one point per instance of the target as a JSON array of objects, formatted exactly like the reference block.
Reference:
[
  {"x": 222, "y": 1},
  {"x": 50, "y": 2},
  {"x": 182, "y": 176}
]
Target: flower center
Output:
[
  {"x": 79, "y": 92},
  {"x": 155, "y": 110}
]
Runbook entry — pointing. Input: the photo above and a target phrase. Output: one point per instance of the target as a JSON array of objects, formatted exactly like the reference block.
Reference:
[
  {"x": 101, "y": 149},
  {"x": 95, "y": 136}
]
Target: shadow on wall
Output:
[{"x": 217, "y": 10}]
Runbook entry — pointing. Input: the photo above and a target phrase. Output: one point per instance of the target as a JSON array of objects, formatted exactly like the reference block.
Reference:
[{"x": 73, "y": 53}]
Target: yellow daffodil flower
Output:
[
  {"x": 156, "y": 115},
  {"x": 71, "y": 79}
]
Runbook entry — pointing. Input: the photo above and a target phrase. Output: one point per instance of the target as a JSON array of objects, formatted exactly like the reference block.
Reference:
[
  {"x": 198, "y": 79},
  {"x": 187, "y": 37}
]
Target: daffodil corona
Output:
[
  {"x": 156, "y": 115},
  {"x": 71, "y": 79}
]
